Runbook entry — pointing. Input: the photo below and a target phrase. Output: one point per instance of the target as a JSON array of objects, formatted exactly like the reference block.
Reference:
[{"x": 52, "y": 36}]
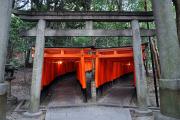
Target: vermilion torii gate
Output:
[{"x": 167, "y": 40}]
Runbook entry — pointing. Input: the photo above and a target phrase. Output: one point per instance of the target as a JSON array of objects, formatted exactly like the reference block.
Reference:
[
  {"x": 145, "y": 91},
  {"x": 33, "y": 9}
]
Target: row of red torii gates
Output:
[{"x": 168, "y": 45}]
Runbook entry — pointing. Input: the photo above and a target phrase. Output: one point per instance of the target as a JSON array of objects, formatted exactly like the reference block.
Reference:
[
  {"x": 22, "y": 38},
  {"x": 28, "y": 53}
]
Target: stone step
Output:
[{"x": 88, "y": 113}]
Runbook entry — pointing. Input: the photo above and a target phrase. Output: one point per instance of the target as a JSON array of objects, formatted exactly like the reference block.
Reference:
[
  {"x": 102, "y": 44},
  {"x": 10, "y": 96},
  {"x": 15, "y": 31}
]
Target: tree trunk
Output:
[
  {"x": 156, "y": 58},
  {"x": 120, "y": 2}
]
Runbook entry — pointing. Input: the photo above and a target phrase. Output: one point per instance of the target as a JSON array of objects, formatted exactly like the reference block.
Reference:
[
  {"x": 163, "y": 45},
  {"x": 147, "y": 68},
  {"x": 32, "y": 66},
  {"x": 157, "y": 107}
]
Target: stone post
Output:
[
  {"x": 89, "y": 26},
  {"x": 141, "y": 84},
  {"x": 169, "y": 51},
  {"x": 37, "y": 71},
  {"x": 143, "y": 113},
  {"x": 5, "y": 12}
]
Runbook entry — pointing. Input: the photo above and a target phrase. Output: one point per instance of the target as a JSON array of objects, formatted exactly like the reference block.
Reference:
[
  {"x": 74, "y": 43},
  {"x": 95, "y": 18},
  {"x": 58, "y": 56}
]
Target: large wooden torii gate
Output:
[{"x": 167, "y": 39}]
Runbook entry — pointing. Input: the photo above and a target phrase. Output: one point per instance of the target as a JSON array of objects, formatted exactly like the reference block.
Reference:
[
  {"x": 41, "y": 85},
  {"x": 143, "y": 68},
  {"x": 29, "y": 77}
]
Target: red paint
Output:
[{"x": 110, "y": 64}]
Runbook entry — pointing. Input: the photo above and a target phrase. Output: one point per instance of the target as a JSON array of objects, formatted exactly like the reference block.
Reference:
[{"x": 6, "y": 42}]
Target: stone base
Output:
[
  {"x": 169, "y": 97},
  {"x": 139, "y": 112},
  {"x": 3, "y": 100},
  {"x": 159, "y": 116},
  {"x": 3, "y": 88},
  {"x": 93, "y": 91},
  {"x": 145, "y": 118},
  {"x": 144, "y": 114},
  {"x": 33, "y": 115}
]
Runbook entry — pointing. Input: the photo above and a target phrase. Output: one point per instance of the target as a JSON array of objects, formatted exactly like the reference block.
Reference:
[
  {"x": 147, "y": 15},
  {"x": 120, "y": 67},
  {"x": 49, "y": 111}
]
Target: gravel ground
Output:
[
  {"x": 21, "y": 85},
  {"x": 21, "y": 90},
  {"x": 151, "y": 91}
]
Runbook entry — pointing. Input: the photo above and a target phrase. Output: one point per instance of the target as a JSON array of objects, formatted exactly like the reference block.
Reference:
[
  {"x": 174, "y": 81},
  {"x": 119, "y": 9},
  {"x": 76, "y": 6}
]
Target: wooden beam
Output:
[
  {"x": 88, "y": 33},
  {"x": 116, "y": 56},
  {"x": 103, "y": 16},
  {"x": 61, "y": 56}
]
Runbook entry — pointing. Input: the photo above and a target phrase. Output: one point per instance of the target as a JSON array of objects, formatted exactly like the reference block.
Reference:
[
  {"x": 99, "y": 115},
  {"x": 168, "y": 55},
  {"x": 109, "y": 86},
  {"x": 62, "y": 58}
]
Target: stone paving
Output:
[
  {"x": 122, "y": 96},
  {"x": 88, "y": 113},
  {"x": 66, "y": 92},
  {"x": 66, "y": 102},
  {"x": 122, "y": 93}
]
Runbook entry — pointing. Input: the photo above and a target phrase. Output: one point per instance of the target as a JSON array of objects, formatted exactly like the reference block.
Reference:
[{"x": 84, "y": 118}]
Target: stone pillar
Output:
[
  {"x": 37, "y": 71},
  {"x": 89, "y": 26},
  {"x": 169, "y": 51},
  {"x": 5, "y": 12},
  {"x": 141, "y": 84},
  {"x": 143, "y": 113}
]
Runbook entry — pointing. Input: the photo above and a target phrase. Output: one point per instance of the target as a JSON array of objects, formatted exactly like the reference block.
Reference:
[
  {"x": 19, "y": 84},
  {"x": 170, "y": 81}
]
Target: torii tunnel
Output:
[{"x": 109, "y": 64}]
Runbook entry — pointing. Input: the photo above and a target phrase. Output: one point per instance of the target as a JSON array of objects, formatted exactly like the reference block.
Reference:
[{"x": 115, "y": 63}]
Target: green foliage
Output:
[
  {"x": 111, "y": 25},
  {"x": 82, "y": 41},
  {"x": 15, "y": 40},
  {"x": 17, "y": 45},
  {"x": 82, "y": 5}
]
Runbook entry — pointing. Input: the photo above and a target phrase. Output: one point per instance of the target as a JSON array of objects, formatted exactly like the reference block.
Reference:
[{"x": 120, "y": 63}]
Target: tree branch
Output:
[{"x": 23, "y": 5}]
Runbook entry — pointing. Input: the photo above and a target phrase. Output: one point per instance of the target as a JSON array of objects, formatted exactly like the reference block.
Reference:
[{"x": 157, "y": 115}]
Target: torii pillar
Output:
[
  {"x": 141, "y": 84},
  {"x": 143, "y": 113},
  {"x": 5, "y": 12},
  {"x": 169, "y": 51},
  {"x": 37, "y": 71}
]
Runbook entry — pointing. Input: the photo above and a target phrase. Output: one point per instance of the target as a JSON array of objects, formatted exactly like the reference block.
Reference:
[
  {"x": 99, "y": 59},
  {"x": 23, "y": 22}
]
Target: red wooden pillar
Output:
[{"x": 97, "y": 70}]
